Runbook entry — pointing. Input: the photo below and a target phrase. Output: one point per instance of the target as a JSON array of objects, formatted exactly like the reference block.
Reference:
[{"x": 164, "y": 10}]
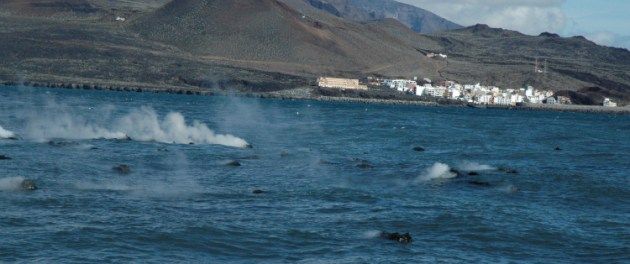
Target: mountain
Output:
[
  {"x": 276, "y": 36},
  {"x": 418, "y": 19},
  {"x": 270, "y": 45}
]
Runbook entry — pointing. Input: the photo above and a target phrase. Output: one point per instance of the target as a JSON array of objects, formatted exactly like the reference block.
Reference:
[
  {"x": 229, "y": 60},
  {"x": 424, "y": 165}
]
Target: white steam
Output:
[
  {"x": 141, "y": 124},
  {"x": 372, "y": 234},
  {"x": 11, "y": 183},
  {"x": 144, "y": 125},
  {"x": 436, "y": 171},
  {"x": 474, "y": 166},
  {"x": 6, "y": 133}
]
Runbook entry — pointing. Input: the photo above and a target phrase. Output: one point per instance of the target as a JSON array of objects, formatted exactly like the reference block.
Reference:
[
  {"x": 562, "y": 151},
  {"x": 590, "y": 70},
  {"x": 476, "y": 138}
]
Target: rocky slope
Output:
[{"x": 418, "y": 19}]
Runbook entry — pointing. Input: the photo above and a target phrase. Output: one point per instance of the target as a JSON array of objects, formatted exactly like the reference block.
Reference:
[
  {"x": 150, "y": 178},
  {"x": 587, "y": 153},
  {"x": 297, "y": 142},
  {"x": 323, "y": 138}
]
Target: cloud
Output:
[{"x": 527, "y": 16}]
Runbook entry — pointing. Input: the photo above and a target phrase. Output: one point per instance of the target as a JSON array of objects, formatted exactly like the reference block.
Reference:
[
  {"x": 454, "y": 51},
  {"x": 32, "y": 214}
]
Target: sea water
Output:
[{"x": 333, "y": 175}]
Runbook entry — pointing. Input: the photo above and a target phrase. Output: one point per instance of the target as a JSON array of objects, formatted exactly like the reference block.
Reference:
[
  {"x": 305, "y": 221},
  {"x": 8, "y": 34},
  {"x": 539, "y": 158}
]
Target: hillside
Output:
[
  {"x": 418, "y": 19},
  {"x": 276, "y": 36},
  {"x": 507, "y": 58}
]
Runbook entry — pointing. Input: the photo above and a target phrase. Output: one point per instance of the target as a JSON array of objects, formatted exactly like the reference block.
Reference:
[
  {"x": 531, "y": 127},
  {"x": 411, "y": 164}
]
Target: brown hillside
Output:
[{"x": 272, "y": 34}]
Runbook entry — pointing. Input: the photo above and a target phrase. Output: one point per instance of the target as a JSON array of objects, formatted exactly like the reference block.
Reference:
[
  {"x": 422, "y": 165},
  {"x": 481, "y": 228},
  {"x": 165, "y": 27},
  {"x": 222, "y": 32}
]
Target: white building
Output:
[
  {"x": 485, "y": 99},
  {"x": 454, "y": 92},
  {"x": 502, "y": 100},
  {"x": 419, "y": 90},
  {"x": 529, "y": 92},
  {"x": 402, "y": 85},
  {"x": 609, "y": 103}
]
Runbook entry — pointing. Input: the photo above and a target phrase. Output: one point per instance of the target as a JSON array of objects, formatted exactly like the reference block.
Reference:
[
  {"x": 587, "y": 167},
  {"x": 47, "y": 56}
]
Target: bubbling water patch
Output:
[
  {"x": 142, "y": 124},
  {"x": 437, "y": 171}
]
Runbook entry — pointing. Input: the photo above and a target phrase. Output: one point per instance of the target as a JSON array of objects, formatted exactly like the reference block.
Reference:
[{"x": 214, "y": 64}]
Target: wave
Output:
[
  {"x": 5, "y": 134},
  {"x": 11, "y": 183},
  {"x": 437, "y": 171},
  {"x": 142, "y": 124},
  {"x": 474, "y": 166}
]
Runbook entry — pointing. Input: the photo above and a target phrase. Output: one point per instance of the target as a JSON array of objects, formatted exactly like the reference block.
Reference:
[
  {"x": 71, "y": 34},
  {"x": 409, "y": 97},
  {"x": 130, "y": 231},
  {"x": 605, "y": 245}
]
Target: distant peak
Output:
[
  {"x": 480, "y": 27},
  {"x": 549, "y": 35},
  {"x": 580, "y": 38}
]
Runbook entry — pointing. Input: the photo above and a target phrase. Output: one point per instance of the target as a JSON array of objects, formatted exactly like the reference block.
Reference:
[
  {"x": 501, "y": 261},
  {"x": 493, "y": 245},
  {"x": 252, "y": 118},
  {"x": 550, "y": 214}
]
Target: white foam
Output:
[
  {"x": 437, "y": 171},
  {"x": 106, "y": 186},
  {"x": 6, "y": 133},
  {"x": 474, "y": 166},
  {"x": 11, "y": 183}
]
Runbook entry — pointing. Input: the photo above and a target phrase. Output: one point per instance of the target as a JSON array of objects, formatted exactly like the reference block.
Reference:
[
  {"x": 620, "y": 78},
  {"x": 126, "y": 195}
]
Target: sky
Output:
[{"x": 606, "y": 22}]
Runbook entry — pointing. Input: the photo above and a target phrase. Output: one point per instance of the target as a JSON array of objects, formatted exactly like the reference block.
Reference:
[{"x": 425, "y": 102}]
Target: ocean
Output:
[{"x": 317, "y": 182}]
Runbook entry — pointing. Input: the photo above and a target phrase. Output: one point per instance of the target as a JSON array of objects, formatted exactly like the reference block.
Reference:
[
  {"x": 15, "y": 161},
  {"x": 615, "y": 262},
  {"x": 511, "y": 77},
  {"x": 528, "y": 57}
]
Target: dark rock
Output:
[
  {"x": 480, "y": 183},
  {"x": 557, "y": 149},
  {"x": 456, "y": 172},
  {"x": 122, "y": 169},
  {"x": 418, "y": 149},
  {"x": 61, "y": 143},
  {"x": 258, "y": 191},
  {"x": 233, "y": 163},
  {"x": 473, "y": 173},
  {"x": 28, "y": 185},
  {"x": 508, "y": 170},
  {"x": 3, "y": 157},
  {"x": 364, "y": 165},
  {"x": 400, "y": 238}
]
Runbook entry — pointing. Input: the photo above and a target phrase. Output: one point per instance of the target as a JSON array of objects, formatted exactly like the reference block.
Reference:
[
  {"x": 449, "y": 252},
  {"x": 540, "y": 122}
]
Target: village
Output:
[{"x": 471, "y": 94}]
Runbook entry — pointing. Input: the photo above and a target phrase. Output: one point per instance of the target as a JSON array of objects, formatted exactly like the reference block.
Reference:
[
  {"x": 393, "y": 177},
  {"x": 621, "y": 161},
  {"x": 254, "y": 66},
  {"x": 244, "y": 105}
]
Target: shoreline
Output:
[{"x": 287, "y": 95}]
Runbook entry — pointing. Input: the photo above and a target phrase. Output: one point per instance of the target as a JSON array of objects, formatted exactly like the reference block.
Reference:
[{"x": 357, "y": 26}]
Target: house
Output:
[
  {"x": 609, "y": 103},
  {"x": 564, "y": 100},
  {"x": 551, "y": 100}
]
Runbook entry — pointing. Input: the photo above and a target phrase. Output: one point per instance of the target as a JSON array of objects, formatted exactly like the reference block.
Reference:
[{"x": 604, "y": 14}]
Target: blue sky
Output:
[{"x": 606, "y": 22}]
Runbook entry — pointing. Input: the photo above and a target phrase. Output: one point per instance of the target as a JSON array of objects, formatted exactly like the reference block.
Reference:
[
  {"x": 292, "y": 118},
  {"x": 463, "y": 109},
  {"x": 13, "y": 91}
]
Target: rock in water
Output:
[
  {"x": 404, "y": 238},
  {"x": 480, "y": 183},
  {"x": 28, "y": 185},
  {"x": 258, "y": 191},
  {"x": 418, "y": 149},
  {"x": 456, "y": 172},
  {"x": 557, "y": 149},
  {"x": 233, "y": 163},
  {"x": 473, "y": 173},
  {"x": 364, "y": 165},
  {"x": 508, "y": 170},
  {"x": 122, "y": 169},
  {"x": 3, "y": 157}
]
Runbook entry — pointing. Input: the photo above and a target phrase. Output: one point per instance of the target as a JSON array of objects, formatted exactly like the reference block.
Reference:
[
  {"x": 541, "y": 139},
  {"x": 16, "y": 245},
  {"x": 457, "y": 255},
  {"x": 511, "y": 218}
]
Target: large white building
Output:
[{"x": 340, "y": 83}]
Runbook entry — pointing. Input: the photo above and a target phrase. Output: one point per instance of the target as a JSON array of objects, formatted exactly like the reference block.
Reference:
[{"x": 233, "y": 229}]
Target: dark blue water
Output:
[{"x": 334, "y": 175}]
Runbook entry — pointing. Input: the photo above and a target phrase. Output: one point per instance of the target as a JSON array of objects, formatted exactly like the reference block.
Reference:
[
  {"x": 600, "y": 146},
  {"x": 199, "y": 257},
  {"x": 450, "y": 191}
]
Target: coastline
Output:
[{"x": 303, "y": 93}]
